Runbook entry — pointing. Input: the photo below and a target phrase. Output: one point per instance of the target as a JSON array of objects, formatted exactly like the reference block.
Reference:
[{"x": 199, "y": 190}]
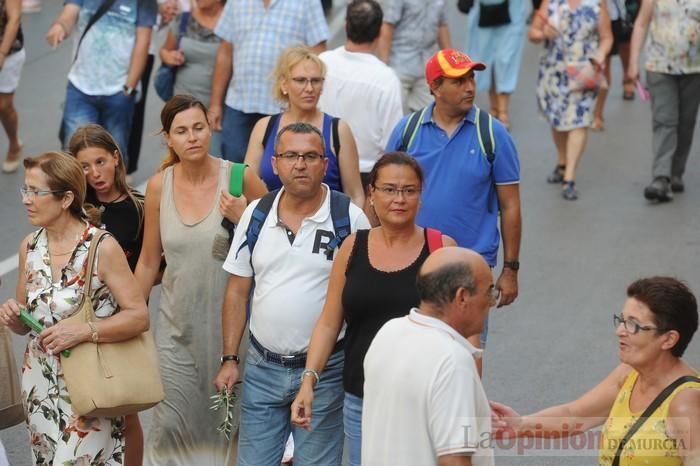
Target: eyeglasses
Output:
[
  {"x": 308, "y": 157},
  {"x": 32, "y": 193},
  {"x": 303, "y": 82},
  {"x": 410, "y": 192},
  {"x": 632, "y": 326}
]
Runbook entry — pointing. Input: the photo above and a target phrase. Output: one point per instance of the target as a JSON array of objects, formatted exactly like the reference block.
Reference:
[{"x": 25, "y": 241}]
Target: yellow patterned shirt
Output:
[{"x": 651, "y": 444}]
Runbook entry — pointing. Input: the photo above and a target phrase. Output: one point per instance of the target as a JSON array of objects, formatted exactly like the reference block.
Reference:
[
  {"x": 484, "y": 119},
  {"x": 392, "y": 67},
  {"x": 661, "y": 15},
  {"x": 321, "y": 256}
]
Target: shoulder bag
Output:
[
  {"x": 110, "y": 379},
  {"x": 11, "y": 409},
  {"x": 165, "y": 76},
  {"x": 493, "y": 15}
]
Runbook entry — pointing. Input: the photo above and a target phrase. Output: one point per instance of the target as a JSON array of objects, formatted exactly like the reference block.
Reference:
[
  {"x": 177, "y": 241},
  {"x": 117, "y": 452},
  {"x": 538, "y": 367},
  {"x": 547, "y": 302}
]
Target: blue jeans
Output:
[
  {"x": 114, "y": 112},
  {"x": 268, "y": 392},
  {"x": 235, "y": 133},
  {"x": 352, "y": 418}
]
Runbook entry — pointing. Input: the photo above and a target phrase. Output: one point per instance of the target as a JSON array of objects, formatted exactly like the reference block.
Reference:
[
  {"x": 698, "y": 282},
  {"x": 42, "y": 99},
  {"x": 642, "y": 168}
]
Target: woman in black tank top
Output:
[{"x": 372, "y": 281}]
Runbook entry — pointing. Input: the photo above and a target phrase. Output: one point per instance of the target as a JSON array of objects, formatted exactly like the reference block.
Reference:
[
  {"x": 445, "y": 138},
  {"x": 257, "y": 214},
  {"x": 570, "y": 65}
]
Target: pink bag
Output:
[{"x": 583, "y": 76}]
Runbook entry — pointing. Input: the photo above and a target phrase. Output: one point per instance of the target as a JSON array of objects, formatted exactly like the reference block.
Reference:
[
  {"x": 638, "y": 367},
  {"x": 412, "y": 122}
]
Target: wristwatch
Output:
[
  {"x": 514, "y": 265},
  {"x": 130, "y": 91},
  {"x": 230, "y": 357}
]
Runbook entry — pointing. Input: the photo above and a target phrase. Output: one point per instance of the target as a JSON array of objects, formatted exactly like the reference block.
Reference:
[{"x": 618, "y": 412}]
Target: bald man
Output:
[{"x": 424, "y": 403}]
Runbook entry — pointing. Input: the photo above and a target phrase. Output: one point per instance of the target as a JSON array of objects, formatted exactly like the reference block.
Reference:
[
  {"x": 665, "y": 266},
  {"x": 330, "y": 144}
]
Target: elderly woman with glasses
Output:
[
  {"x": 298, "y": 83},
  {"x": 50, "y": 287},
  {"x": 385, "y": 258},
  {"x": 649, "y": 406}
]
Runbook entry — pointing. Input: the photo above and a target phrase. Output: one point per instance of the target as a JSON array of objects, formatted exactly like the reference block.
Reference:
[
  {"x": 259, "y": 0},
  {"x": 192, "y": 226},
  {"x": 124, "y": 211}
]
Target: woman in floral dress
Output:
[
  {"x": 50, "y": 286},
  {"x": 573, "y": 32}
]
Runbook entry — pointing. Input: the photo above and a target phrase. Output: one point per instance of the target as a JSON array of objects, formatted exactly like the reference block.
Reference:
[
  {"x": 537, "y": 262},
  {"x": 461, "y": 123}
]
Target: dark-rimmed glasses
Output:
[
  {"x": 308, "y": 157},
  {"x": 632, "y": 326}
]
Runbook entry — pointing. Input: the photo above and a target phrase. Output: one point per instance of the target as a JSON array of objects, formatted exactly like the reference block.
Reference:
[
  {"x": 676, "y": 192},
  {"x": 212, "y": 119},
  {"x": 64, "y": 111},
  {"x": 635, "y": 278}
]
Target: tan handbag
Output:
[
  {"x": 11, "y": 409},
  {"x": 110, "y": 379}
]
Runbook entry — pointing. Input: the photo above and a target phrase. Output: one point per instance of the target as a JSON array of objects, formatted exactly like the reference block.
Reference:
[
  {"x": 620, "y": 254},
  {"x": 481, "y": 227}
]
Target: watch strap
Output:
[{"x": 230, "y": 357}]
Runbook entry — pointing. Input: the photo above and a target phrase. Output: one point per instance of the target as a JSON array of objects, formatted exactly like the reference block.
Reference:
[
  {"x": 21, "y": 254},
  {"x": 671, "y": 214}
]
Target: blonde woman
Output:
[{"x": 298, "y": 83}]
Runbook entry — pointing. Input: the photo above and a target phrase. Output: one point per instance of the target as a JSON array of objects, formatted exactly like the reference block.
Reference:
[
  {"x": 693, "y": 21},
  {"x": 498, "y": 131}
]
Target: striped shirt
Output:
[{"x": 258, "y": 36}]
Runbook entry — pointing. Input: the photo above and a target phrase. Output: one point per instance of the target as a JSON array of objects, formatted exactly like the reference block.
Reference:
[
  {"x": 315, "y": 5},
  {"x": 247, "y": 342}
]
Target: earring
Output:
[{"x": 371, "y": 202}]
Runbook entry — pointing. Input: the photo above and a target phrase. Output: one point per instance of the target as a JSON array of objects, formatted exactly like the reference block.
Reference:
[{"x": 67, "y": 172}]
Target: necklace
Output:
[
  {"x": 102, "y": 204},
  {"x": 70, "y": 251}
]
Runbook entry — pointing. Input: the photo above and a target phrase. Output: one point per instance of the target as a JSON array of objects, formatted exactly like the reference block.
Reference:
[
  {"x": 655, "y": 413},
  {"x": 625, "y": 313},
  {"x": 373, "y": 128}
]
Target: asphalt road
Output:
[{"x": 577, "y": 258}]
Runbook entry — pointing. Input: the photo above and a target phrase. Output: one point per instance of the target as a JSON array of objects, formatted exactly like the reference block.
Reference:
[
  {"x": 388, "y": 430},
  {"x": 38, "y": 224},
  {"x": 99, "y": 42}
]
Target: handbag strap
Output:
[
  {"x": 101, "y": 10},
  {"x": 649, "y": 411},
  {"x": 184, "y": 21},
  {"x": 92, "y": 252}
]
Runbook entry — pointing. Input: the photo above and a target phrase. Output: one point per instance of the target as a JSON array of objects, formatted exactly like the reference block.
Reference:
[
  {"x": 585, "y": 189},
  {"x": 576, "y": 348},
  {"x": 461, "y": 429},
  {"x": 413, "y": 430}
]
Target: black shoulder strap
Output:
[
  {"x": 336, "y": 137},
  {"x": 101, "y": 10},
  {"x": 410, "y": 130},
  {"x": 649, "y": 411},
  {"x": 257, "y": 219},
  {"x": 340, "y": 215},
  {"x": 485, "y": 127},
  {"x": 268, "y": 129}
]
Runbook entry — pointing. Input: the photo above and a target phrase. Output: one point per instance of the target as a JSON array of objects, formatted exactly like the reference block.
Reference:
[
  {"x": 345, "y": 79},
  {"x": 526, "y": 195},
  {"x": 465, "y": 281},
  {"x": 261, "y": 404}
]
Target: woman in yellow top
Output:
[{"x": 657, "y": 322}]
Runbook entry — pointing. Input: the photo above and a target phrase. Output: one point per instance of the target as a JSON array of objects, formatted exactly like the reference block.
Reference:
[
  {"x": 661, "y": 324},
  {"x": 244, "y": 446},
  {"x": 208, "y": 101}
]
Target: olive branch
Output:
[{"x": 227, "y": 400}]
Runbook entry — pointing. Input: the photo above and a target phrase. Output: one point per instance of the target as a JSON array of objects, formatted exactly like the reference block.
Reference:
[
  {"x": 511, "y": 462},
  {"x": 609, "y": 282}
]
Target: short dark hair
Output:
[
  {"x": 673, "y": 305},
  {"x": 363, "y": 20},
  {"x": 299, "y": 128},
  {"x": 440, "y": 286},
  {"x": 395, "y": 158}
]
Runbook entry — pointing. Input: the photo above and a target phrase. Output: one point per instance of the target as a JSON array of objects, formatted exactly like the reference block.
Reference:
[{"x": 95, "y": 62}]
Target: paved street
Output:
[{"x": 577, "y": 258}]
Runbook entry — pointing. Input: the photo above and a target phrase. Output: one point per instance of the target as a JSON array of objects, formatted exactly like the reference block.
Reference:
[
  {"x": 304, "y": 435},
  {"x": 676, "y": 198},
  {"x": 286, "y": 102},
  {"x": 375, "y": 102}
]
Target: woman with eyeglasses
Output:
[
  {"x": 50, "y": 286},
  {"x": 385, "y": 258},
  {"x": 298, "y": 83},
  {"x": 654, "y": 329}
]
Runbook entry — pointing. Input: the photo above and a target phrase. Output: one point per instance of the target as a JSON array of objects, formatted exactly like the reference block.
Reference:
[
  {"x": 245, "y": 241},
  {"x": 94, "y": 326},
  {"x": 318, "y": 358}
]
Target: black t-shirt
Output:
[
  {"x": 121, "y": 219},
  {"x": 370, "y": 299}
]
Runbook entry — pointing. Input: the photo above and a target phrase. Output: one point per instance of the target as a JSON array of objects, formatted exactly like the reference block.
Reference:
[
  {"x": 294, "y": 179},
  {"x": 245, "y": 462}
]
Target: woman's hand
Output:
[
  {"x": 301, "y": 408},
  {"x": 232, "y": 207},
  {"x": 505, "y": 421},
  {"x": 9, "y": 316},
  {"x": 64, "y": 336},
  {"x": 633, "y": 71},
  {"x": 173, "y": 57},
  {"x": 56, "y": 34}
]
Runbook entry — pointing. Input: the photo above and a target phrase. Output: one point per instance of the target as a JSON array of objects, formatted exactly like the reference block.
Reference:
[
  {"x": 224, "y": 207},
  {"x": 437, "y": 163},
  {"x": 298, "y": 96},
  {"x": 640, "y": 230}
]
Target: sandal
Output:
[
  {"x": 557, "y": 176},
  {"x": 628, "y": 89},
  {"x": 568, "y": 191}
]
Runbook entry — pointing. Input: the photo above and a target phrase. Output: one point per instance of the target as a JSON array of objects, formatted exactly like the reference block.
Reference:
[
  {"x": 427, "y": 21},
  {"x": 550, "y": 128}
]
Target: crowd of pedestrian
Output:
[{"x": 326, "y": 226}]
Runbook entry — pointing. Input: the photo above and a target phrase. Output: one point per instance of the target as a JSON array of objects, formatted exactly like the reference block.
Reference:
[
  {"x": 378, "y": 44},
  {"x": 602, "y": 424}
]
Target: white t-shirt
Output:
[
  {"x": 423, "y": 397},
  {"x": 290, "y": 279},
  {"x": 365, "y": 93}
]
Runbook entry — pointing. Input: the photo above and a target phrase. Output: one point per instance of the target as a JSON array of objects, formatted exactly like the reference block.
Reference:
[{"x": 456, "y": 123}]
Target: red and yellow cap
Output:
[{"x": 450, "y": 63}]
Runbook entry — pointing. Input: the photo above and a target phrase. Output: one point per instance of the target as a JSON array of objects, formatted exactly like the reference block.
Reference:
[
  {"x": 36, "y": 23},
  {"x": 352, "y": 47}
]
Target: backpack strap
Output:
[
  {"x": 336, "y": 137},
  {"x": 99, "y": 13},
  {"x": 649, "y": 411},
  {"x": 410, "y": 130},
  {"x": 340, "y": 215},
  {"x": 434, "y": 238},
  {"x": 182, "y": 29},
  {"x": 257, "y": 219},
  {"x": 484, "y": 129},
  {"x": 268, "y": 129}
]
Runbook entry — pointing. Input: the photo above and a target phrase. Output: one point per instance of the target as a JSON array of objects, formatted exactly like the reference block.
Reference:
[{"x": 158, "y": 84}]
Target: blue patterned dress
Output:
[{"x": 577, "y": 42}]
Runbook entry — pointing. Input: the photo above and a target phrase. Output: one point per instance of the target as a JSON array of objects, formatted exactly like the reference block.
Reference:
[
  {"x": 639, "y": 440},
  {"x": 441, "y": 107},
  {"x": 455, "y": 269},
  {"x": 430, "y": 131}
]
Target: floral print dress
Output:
[
  {"x": 577, "y": 42},
  {"x": 58, "y": 437}
]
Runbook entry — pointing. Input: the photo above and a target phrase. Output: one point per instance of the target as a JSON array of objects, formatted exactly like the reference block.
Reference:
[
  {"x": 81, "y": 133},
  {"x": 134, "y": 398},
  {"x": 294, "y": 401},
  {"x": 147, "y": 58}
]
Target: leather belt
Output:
[{"x": 290, "y": 361}]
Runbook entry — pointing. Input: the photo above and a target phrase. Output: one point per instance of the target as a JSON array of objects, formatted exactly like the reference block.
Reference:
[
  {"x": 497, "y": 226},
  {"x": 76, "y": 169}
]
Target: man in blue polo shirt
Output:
[{"x": 464, "y": 187}]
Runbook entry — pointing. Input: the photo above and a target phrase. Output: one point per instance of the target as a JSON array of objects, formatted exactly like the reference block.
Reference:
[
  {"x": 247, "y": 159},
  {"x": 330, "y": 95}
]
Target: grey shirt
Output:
[{"x": 415, "y": 40}]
